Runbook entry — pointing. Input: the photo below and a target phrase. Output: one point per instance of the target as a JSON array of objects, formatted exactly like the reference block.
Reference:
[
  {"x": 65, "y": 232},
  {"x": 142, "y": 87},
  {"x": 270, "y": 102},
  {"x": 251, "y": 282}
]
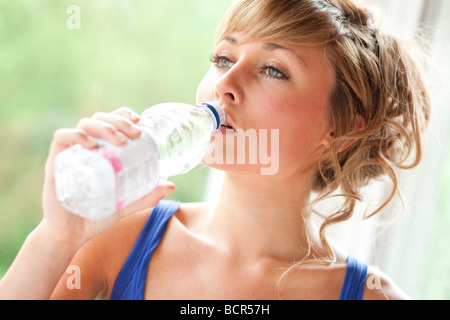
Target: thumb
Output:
[{"x": 150, "y": 200}]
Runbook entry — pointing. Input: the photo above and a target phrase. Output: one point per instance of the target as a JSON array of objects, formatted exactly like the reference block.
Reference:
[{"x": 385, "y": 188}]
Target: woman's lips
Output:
[
  {"x": 226, "y": 130},
  {"x": 227, "y": 127},
  {"x": 229, "y": 121}
]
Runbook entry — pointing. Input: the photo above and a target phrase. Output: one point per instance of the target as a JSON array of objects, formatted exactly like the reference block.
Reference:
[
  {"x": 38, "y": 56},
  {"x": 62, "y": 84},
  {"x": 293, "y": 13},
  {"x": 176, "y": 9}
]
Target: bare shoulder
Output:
[
  {"x": 380, "y": 287},
  {"x": 114, "y": 245},
  {"x": 101, "y": 258}
]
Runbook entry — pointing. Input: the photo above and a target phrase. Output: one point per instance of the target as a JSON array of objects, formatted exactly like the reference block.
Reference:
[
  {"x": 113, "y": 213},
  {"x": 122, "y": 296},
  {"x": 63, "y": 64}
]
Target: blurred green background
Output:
[{"x": 126, "y": 53}]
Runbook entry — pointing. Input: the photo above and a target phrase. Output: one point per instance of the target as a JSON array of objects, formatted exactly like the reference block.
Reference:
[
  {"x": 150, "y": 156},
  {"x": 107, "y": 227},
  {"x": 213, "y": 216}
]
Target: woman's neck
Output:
[{"x": 256, "y": 218}]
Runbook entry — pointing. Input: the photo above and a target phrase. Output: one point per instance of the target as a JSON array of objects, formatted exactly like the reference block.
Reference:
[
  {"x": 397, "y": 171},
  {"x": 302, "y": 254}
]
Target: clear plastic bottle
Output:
[{"x": 95, "y": 183}]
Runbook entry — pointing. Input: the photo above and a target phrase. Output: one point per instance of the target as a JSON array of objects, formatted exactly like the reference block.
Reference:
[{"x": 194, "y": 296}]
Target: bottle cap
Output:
[{"x": 217, "y": 110}]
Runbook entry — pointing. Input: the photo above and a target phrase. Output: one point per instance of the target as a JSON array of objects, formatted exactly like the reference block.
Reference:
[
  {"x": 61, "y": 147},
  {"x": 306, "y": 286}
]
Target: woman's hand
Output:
[
  {"x": 50, "y": 247},
  {"x": 116, "y": 128}
]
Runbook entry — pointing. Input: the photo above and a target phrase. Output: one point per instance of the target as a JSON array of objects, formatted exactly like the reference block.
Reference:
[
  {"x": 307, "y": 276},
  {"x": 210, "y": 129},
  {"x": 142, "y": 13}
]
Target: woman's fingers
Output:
[
  {"x": 101, "y": 129},
  {"x": 150, "y": 200},
  {"x": 115, "y": 127},
  {"x": 63, "y": 138},
  {"x": 66, "y": 137},
  {"x": 127, "y": 113},
  {"x": 120, "y": 123}
]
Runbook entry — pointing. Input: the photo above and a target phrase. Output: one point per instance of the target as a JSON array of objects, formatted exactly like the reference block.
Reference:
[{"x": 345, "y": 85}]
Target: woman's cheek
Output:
[{"x": 206, "y": 88}]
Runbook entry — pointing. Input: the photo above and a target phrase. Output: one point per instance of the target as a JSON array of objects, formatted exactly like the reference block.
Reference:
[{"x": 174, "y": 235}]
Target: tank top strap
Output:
[
  {"x": 130, "y": 283},
  {"x": 355, "y": 280}
]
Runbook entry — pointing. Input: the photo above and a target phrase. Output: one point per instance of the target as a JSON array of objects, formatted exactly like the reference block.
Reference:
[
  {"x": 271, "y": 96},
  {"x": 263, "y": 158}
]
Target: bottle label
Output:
[
  {"x": 134, "y": 182},
  {"x": 136, "y": 169}
]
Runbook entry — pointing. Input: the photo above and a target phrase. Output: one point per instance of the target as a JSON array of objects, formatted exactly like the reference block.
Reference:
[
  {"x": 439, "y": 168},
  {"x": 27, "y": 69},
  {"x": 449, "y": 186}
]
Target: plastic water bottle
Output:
[{"x": 95, "y": 183}]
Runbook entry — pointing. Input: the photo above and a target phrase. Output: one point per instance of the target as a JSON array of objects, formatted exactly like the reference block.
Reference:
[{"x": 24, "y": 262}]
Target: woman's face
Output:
[{"x": 282, "y": 88}]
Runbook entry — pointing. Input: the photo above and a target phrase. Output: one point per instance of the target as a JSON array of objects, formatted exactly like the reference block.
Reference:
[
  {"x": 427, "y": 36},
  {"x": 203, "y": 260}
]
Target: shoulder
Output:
[
  {"x": 101, "y": 258},
  {"x": 113, "y": 245},
  {"x": 380, "y": 287}
]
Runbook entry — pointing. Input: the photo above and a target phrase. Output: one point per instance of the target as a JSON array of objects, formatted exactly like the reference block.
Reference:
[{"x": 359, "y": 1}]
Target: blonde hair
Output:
[{"x": 377, "y": 77}]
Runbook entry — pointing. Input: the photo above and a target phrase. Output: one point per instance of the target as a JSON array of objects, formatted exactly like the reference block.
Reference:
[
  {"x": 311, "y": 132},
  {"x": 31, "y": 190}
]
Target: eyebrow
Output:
[
  {"x": 231, "y": 40},
  {"x": 269, "y": 46},
  {"x": 273, "y": 46}
]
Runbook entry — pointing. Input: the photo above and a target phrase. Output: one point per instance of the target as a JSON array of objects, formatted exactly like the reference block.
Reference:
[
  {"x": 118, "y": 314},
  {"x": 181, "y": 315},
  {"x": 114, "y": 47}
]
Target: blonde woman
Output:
[{"x": 348, "y": 104}]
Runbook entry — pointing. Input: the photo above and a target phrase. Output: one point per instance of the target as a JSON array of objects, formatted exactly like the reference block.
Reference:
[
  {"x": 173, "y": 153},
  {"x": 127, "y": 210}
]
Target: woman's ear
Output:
[
  {"x": 329, "y": 138},
  {"x": 358, "y": 126},
  {"x": 360, "y": 123}
]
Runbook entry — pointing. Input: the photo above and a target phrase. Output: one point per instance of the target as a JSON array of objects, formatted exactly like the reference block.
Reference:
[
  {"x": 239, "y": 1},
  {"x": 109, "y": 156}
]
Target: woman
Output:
[{"x": 348, "y": 103}]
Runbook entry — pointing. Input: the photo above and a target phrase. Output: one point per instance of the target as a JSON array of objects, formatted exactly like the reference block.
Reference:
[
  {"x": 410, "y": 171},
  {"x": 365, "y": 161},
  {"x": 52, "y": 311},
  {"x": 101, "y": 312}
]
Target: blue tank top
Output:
[
  {"x": 355, "y": 280},
  {"x": 130, "y": 283}
]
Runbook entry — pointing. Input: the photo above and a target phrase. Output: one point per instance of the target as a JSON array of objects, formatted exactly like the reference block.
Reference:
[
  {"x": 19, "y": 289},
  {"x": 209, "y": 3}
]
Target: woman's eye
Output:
[
  {"x": 225, "y": 63},
  {"x": 274, "y": 73},
  {"x": 222, "y": 62}
]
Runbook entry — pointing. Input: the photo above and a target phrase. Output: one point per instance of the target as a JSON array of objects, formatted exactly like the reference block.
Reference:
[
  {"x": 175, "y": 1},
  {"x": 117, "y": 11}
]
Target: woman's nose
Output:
[{"x": 228, "y": 88}]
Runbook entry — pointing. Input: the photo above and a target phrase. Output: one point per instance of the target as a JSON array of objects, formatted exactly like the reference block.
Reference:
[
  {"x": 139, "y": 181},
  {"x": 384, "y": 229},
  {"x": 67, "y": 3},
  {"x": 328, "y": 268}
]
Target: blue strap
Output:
[
  {"x": 355, "y": 280},
  {"x": 130, "y": 282}
]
